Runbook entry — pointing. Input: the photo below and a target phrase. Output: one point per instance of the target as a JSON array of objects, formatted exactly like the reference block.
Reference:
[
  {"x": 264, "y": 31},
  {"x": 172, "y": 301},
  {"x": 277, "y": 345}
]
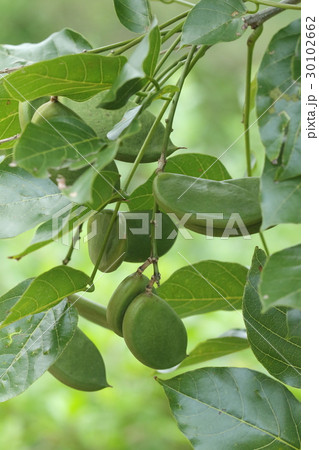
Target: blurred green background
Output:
[{"x": 134, "y": 414}]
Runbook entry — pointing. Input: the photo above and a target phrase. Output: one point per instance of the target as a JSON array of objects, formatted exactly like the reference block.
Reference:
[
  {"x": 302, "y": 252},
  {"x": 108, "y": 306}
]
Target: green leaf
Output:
[
  {"x": 210, "y": 22},
  {"x": 47, "y": 290},
  {"x": 31, "y": 345},
  {"x": 280, "y": 283},
  {"x": 73, "y": 76},
  {"x": 228, "y": 408},
  {"x": 231, "y": 342},
  {"x": 136, "y": 72},
  {"x": 274, "y": 336},
  {"x": 134, "y": 14},
  {"x": 278, "y": 101},
  {"x": 97, "y": 184},
  {"x": 54, "y": 229},
  {"x": 26, "y": 201},
  {"x": 205, "y": 286},
  {"x": 192, "y": 164},
  {"x": 9, "y": 120},
  {"x": 280, "y": 200},
  {"x": 63, "y": 141},
  {"x": 81, "y": 365},
  {"x": 124, "y": 123},
  {"x": 63, "y": 42}
]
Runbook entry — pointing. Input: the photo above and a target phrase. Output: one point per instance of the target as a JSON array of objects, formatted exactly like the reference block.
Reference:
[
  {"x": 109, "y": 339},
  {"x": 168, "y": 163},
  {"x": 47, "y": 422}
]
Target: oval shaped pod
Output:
[
  {"x": 27, "y": 110},
  {"x": 131, "y": 144},
  {"x": 81, "y": 365},
  {"x": 224, "y": 204},
  {"x": 124, "y": 294},
  {"x": 52, "y": 109},
  {"x": 154, "y": 333},
  {"x": 139, "y": 245},
  {"x": 114, "y": 252}
]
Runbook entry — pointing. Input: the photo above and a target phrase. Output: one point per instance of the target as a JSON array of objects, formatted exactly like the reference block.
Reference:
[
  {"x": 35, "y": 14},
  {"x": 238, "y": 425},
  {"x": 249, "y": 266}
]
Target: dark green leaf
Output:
[
  {"x": 280, "y": 283},
  {"x": 31, "y": 345},
  {"x": 280, "y": 200},
  {"x": 63, "y": 42},
  {"x": 274, "y": 340},
  {"x": 278, "y": 101},
  {"x": 233, "y": 341},
  {"x": 26, "y": 201},
  {"x": 228, "y": 408},
  {"x": 134, "y": 14},
  {"x": 63, "y": 141},
  {"x": 135, "y": 73},
  {"x": 73, "y": 76},
  {"x": 205, "y": 286},
  {"x": 124, "y": 123},
  {"x": 81, "y": 365},
  {"x": 192, "y": 164},
  {"x": 94, "y": 186},
  {"x": 47, "y": 290},
  {"x": 56, "y": 228},
  {"x": 132, "y": 140},
  {"x": 215, "y": 21}
]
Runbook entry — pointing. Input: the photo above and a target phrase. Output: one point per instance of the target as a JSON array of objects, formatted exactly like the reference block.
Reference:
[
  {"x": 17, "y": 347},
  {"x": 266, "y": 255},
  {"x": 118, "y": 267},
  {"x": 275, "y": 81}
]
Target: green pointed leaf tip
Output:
[
  {"x": 192, "y": 164},
  {"x": 81, "y": 365},
  {"x": 73, "y": 76},
  {"x": 233, "y": 341},
  {"x": 280, "y": 283},
  {"x": 204, "y": 287},
  {"x": 47, "y": 290},
  {"x": 274, "y": 336},
  {"x": 280, "y": 199},
  {"x": 135, "y": 15},
  {"x": 210, "y": 22},
  {"x": 228, "y": 408},
  {"x": 62, "y": 141},
  {"x": 26, "y": 201},
  {"x": 278, "y": 101},
  {"x": 31, "y": 345},
  {"x": 136, "y": 72}
]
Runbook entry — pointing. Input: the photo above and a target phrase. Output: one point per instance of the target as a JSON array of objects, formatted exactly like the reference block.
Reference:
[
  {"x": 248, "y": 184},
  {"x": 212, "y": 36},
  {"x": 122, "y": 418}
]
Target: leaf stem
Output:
[
  {"x": 250, "y": 50},
  {"x": 92, "y": 311},
  {"x": 145, "y": 144},
  {"x": 170, "y": 119},
  {"x": 75, "y": 238},
  {"x": 276, "y": 4},
  {"x": 167, "y": 54},
  {"x": 263, "y": 240},
  {"x": 251, "y": 41},
  {"x": 154, "y": 252}
]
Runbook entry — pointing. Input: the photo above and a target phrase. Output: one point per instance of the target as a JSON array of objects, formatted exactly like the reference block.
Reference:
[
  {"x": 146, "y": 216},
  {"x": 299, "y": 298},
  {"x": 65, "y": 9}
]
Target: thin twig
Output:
[
  {"x": 9, "y": 139},
  {"x": 255, "y": 20}
]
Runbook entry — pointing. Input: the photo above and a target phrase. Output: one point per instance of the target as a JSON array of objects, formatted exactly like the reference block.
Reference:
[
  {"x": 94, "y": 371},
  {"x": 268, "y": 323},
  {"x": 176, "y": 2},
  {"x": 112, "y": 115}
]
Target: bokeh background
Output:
[{"x": 134, "y": 414}]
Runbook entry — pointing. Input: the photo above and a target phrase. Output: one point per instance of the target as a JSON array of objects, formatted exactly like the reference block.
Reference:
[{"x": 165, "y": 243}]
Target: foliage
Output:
[{"x": 59, "y": 173}]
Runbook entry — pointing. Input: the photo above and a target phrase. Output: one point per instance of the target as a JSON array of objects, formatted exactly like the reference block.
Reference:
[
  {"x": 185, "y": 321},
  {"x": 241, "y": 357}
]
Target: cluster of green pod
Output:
[{"x": 152, "y": 330}]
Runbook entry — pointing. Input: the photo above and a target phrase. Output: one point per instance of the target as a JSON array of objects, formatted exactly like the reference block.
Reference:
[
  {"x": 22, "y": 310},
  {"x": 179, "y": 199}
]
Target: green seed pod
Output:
[
  {"x": 139, "y": 245},
  {"x": 81, "y": 365},
  {"x": 114, "y": 252},
  {"x": 27, "y": 110},
  {"x": 154, "y": 333},
  {"x": 51, "y": 110},
  {"x": 124, "y": 294},
  {"x": 236, "y": 201}
]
